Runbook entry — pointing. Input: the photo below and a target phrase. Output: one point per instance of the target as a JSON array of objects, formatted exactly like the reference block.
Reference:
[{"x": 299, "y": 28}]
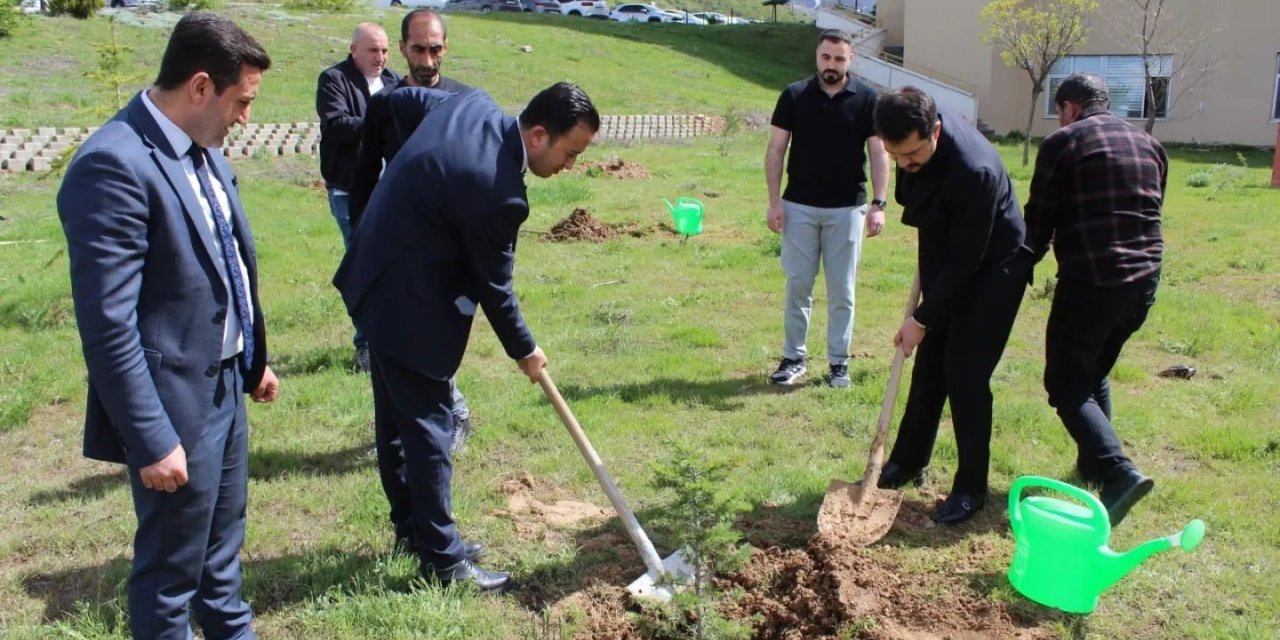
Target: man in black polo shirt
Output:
[
  {"x": 1096, "y": 196},
  {"x": 826, "y": 121}
]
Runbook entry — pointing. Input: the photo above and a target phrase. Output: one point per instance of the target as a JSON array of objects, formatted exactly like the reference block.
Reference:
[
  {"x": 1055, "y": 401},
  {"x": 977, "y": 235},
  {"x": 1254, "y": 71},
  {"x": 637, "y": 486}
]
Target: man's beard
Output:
[
  {"x": 425, "y": 76},
  {"x": 832, "y": 77}
]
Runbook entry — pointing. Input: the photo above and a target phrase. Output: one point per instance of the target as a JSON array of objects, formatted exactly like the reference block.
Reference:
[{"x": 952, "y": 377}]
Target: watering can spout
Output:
[
  {"x": 1124, "y": 563},
  {"x": 670, "y": 207}
]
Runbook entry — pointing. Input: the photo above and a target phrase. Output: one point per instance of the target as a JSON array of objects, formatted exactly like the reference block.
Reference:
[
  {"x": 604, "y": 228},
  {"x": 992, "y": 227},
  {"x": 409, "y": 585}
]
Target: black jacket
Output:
[
  {"x": 963, "y": 204},
  {"x": 341, "y": 96}
]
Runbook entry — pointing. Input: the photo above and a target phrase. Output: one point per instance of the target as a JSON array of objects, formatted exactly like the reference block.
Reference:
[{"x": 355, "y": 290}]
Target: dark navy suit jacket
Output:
[
  {"x": 964, "y": 206},
  {"x": 439, "y": 237},
  {"x": 393, "y": 116},
  {"x": 150, "y": 305}
]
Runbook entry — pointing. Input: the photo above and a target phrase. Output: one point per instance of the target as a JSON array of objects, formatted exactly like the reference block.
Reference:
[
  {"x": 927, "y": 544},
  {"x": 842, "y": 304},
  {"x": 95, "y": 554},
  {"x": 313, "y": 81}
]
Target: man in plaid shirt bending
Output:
[{"x": 1096, "y": 196}]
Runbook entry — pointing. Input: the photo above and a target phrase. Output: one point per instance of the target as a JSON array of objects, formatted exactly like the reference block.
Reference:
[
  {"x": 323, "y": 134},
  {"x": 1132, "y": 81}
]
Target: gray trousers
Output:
[{"x": 834, "y": 237}]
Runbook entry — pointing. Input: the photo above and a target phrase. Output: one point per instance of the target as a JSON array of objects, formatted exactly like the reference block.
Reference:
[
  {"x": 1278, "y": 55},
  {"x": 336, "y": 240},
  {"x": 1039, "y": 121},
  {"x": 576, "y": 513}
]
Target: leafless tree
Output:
[{"x": 1153, "y": 30}]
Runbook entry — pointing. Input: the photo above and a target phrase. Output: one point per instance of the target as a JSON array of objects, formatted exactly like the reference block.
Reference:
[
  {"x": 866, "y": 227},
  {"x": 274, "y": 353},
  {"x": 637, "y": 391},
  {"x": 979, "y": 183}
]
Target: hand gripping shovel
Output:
[
  {"x": 863, "y": 513},
  {"x": 676, "y": 569}
]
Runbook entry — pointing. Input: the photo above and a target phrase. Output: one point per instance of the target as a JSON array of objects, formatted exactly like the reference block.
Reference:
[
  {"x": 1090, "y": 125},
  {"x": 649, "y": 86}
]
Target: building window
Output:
[
  {"x": 1125, "y": 82},
  {"x": 1275, "y": 109}
]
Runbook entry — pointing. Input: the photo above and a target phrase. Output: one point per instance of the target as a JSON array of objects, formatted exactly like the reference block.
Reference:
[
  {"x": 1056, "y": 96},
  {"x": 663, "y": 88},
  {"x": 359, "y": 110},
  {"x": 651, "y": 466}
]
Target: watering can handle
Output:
[{"x": 1100, "y": 520}]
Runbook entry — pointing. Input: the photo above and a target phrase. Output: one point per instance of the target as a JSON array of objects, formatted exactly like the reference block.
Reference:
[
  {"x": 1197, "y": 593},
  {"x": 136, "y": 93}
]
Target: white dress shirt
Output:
[{"x": 232, "y": 338}]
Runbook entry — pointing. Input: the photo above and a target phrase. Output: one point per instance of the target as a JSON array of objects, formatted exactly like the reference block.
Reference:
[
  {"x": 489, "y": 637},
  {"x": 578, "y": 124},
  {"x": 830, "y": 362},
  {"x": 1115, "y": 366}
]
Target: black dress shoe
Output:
[
  {"x": 404, "y": 545},
  {"x": 893, "y": 476},
  {"x": 958, "y": 508},
  {"x": 1122, "y": 492},
  {"x": 466, "y": 571}
]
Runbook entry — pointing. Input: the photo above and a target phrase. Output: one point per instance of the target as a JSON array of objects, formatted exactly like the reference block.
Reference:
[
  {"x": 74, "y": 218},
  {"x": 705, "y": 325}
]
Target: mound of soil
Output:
[
  {"x": 580, "y": 225},
  {"x": 614, "y": 167},
  {"x": 827, "y": 591},
  {"x": 822, "y": 588}
]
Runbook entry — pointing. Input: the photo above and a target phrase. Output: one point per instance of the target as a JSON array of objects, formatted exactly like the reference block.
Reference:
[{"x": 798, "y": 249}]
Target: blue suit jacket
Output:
[
  {"x": 150, "y": 305},
  {"x": 439, "y": 237}
]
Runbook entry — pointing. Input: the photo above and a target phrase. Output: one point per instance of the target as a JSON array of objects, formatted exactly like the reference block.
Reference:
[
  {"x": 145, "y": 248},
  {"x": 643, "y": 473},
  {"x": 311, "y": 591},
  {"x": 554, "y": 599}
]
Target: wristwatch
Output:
[{"x": 878, "y": 202}]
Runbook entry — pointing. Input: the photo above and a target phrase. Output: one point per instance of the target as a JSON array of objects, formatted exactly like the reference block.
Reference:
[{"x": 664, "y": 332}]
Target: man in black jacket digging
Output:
[{"x": 973, "y": 269}]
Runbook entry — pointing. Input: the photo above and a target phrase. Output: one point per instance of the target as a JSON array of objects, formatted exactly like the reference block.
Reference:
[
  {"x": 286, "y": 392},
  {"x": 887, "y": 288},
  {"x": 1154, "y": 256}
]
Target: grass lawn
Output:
[{"x": 650, "y": 338}]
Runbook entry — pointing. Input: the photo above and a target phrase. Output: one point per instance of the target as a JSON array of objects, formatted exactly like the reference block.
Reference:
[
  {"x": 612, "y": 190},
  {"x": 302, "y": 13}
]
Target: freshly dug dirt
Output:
[
  {"x": 614, "y": 167},
  {"x": 819, "y": 588},
  {"x": 580, "y": 225}
]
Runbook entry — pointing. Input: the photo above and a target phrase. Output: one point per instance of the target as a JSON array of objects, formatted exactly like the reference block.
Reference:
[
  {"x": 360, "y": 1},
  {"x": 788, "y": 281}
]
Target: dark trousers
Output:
[
  {"x": 954, "y": 363},
  {"x": 1088, "y": 326},
  {"x": 413, "y": 427},
  {"x": 187, "y": 547}
]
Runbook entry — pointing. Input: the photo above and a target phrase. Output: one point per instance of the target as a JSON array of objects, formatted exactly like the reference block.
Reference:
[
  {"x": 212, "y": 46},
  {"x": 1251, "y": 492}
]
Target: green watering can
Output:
[
  {"x": 1061, "y": 558},
  {"x": 687, "y": 213}
]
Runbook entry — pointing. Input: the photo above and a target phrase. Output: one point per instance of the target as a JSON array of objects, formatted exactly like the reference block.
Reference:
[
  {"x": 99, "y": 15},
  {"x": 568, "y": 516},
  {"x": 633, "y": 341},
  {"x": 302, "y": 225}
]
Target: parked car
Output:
[
  {"x": 541, "y": 6},
  {"x": 430, "y": 4},
  {"x": 712, "y": 17},
  {"x": 634, "y": 12},
  {"x": 684, "y": 17},
  {"x": 483, "y": 5},
  {"x": 585, "y": 8}
]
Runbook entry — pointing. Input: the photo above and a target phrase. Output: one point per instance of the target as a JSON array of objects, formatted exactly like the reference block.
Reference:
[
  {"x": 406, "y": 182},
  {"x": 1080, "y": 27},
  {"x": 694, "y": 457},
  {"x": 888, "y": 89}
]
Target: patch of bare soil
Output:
[
  {"x": 614, "y": 167},
  {"x": 580, "y": 225},
  {"x": 532, "y": 517},
  {"x": 823, "y": 588},
  {"x": 829, "y": 591}
]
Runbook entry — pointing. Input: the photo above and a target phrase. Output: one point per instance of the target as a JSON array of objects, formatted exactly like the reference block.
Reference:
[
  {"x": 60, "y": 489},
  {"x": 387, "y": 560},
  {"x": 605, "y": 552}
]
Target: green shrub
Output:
[
  {"x": 9, "y": 17},
  {"x": 81, "y": 9},
  {"x": 1199, "y": 179},
  {"x": 330, "y": 6}
]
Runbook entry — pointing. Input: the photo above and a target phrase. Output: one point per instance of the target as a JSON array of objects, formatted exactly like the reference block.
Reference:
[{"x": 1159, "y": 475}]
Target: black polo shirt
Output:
[{"x": 826, "y": 163}]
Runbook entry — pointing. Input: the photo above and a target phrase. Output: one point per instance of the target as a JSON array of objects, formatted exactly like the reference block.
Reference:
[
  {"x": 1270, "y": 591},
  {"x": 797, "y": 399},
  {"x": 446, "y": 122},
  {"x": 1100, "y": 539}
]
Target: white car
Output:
[
  {"x": 719, "y": 18},
  {"x": 684, "y": 17},
  {"x": 640, "y": 13},
  {"x": 585, "y": 8},
  {"x": 430, "y": 4}
]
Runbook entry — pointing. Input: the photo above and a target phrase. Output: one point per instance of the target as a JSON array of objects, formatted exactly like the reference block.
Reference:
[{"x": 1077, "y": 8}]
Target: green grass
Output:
[
  {"x": 649, "y": 337},
  {"x": 626, "y": 68}
]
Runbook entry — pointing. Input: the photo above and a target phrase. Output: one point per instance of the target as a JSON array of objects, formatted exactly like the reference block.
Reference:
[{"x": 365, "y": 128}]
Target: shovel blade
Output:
[
  {"x": 857, "y": 515},
  {"x": 679, "y": 573}
]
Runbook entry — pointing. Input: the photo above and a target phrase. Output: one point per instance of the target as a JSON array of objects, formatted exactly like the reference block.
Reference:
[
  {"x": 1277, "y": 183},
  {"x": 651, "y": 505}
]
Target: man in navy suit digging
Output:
[{"x": 437, "y": 240}]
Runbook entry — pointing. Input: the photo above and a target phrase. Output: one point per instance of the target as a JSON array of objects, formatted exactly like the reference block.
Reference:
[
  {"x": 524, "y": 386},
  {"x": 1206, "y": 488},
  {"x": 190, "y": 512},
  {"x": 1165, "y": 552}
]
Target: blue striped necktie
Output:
[{"x": 238, "y": 289}]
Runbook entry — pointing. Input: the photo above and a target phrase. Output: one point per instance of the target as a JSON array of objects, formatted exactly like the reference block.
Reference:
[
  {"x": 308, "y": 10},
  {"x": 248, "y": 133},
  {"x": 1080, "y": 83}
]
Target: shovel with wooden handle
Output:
[
  {"x": 661, "y": 574},
  {"x": 862, "y": 513}
]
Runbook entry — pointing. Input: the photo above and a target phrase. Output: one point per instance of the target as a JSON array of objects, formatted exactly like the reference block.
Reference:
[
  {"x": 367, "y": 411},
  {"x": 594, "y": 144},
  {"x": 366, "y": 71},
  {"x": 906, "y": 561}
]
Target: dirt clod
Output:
[
  {"x": 580, "y": 225},
  {"x": 614, "y": 167}
]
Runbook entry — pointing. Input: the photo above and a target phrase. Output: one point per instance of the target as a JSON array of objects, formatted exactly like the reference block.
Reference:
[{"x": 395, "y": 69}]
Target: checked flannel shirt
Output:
[{"x": 1096, "y": 195}]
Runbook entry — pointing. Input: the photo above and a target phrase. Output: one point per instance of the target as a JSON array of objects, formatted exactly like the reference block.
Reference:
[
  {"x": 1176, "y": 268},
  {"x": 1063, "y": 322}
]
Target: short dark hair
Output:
[
  {"x": 902, "y": 111},
  {"x": 1084, "y": 89},
  {"x": 425, "y": 14},
  {"x": 207, "y": 42},
  {"x": 559, "y": 108},
  {"x": 835, "y": 35}
]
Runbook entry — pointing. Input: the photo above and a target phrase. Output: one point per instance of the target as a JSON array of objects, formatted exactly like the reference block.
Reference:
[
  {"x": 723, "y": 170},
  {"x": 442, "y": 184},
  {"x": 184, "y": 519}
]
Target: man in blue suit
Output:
[
  {"x": 437, "y": 239},
  {"x": 164, "y": 279}
]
